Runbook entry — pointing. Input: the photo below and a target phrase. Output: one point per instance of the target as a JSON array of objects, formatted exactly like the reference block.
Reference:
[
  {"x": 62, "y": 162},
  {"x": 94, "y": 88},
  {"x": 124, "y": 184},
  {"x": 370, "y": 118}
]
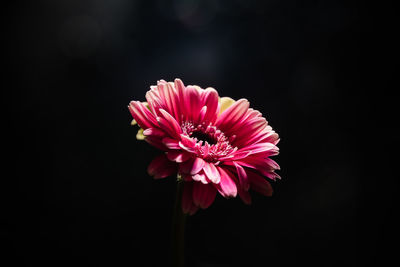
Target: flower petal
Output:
[
  {"x": 259, "y": 148},
  {"x": 188, "y": 206},
  {"x": 142, "y": 115},
  {"x": 211, "y": 101},
  {"x": 193, "y": 103},
  {"x": 161, "y": 167},
  {"x": 156, "y": 142},
  {"x": 172, "y": 122},
  {"x": 227, "y": 187},
  {"x": 153, "y": 132},
  {"x": 198, "y": 165},
  {"x": 187, "y": 143},
  {"x": 212, "y": 172},
  {"x": 202, "y": 114},
  {"x": 203, "y": 194},
  {"x": 200, "y": 177},
  {"x": 177, "y": 156},
  {"x": 259, "y": 184},
  {"x": 233, "y": 114},
  {"x": 192, "y": 166},
  {"x": 242, "y": 175},
  {"x": 181, "y": 92},
  {"x": 245, "y": 196},
  {"x": 171, "y": 143},
  {"x": 169, "y": 97}
]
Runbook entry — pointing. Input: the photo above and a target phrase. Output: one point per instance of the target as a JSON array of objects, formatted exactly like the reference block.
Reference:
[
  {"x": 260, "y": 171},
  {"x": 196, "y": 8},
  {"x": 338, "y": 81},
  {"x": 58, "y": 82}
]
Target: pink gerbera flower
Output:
[{"x": 213, "y": 144}]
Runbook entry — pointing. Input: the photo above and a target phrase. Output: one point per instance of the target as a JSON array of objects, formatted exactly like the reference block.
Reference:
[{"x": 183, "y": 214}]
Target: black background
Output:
[{"x": 76, "y": 191}]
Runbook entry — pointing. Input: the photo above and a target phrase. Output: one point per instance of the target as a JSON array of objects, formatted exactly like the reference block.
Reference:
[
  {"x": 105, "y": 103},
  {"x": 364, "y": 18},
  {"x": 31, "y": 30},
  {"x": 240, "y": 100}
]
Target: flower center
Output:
[
  {"x": 203, "y": 137},
  {"x": 211, "y": 143}
]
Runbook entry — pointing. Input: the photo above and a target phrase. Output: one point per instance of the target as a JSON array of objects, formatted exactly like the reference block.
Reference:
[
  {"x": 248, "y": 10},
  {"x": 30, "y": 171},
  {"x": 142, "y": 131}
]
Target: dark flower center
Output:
[{"x": 203, "y": 137}]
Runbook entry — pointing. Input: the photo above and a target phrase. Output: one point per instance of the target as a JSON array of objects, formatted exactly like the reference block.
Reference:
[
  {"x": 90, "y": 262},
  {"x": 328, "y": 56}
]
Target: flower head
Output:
[{"x": 213, "y": 144}]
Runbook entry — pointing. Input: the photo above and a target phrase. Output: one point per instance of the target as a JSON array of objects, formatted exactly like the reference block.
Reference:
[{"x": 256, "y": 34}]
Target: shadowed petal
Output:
[
  {"x": 161, "y": 167},
  {"x": 245, "y": 196},
  {"x": 242, "y": 175},
  {"x": 203, "y": 194},
  {"x": 156, "y": 142},
  {"x": 259, "y": 184},
  {"x": 188, "y": 206}
]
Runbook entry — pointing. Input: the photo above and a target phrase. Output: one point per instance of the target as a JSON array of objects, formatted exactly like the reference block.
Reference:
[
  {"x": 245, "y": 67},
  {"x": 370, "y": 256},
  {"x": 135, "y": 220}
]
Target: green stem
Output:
[{"x": 178, "y": 229}]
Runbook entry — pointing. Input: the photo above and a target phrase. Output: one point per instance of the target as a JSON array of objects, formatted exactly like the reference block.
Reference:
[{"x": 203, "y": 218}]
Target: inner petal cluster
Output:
[{"x": 210, "y": 142}]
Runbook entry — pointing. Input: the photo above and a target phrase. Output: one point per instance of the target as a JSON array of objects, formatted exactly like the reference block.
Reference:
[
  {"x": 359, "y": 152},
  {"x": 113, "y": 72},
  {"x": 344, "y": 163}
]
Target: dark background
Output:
[{"x": 75, "y": 187}]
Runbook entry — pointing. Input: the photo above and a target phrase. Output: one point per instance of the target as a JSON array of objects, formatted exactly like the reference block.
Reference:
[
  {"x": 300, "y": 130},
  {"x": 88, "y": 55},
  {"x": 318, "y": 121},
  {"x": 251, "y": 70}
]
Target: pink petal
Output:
[
  {"x": 187, "y": 143},
  {"x": 161, "y": 167},
  {"x": 267, "y": 135},
  {"x": 169, "y": 124},
  {"x": 156, "y": 142},
  {"x": 236, "y": 155},
  {"x": 272, "y": 175},
  {"x": 259, "y": 148},
  {"x": 272, "y": 163},
  {"x": 193, "y": 103},
  {"x": 171, "y": 120},
  {"x": 249, "y": 118},
  {"x": 245, "y": 196},
  {"x": 202, "y": 114},
  {"x": 181, "y": 91},
  {"x": 242, "y": 175},
  {"x": 144, "y": 119},
  {"x": 211, "y": 101},
  {"x": 153, "y": 132},
  {"x": 206, "y": 149},
  {"x": 171, "y": 143},
  {"x": 226, "y": 187},
  {"x": 203, "y": 194},
  {"x": 188, "y": 206},
  {"x": 198, "y": 165},
  {"x": 233, "y": 114},
  {"x": 177, "y": 156},
  {"x": 200, "y": 177},
  {"x": 259, "y": 184},
  {"x": 192, "y": 166},
  {"x": 170, "y": 98},
  {"x": 154, "y": 101},
  {"x": 271, "y": 137},
  {"x": 250, "y": 131},
  {"x": 212, "y": 172},
  {"x": 263, "y": 165}
]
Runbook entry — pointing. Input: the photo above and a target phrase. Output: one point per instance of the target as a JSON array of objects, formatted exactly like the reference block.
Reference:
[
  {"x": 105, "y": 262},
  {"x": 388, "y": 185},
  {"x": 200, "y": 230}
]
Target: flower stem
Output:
[{"x": 178, "y": 229}]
